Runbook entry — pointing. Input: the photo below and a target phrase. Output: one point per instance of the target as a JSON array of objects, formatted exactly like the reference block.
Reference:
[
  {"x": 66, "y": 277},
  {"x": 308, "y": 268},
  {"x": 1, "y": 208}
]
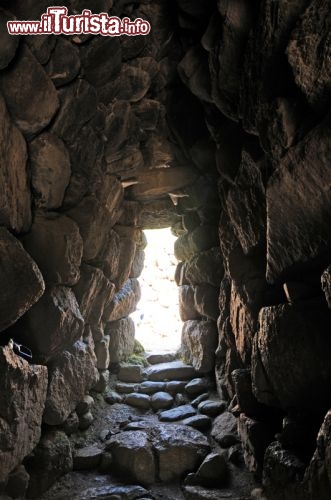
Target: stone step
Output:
[
  {"x": 159, "y": 357},
  {"x": 174, "y": 370},
  {"x": 178, "y": 413}
]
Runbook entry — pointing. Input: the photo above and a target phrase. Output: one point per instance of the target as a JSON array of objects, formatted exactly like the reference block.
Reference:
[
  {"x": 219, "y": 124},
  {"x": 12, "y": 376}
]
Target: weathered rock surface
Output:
[
  {"x": 173, "y": 370},
  {"x": 311, "y": 69},
  {"x": 121, "y": 335},
  {"x": 178, "y": 413},
  {"x": 298, "y": 204},
  {"x": 87, "y": 458},
  {"x": 50, "y": 170},
  {"x": 279, "y": 350},
  {"x": 224, "y": 429},
  {"x": 21, "y": 280},
  {"x": 133, "y": 456},
  {"x": 199, "y": 342},
  {"x": 15, "y": 198},
  {"x": 52, "y": 324},
  {"x": 56, "y": 245},
  {"x": 30, "y": 96},
  {"x": 71, "y": 376},
  {"x": 20, "y": 423},
  {"x": 51, "y": 459},
  {"x": 8, "y": 42}
]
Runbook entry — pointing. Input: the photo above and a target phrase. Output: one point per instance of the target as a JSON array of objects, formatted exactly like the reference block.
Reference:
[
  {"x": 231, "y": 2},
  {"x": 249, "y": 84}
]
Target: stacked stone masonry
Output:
[{"x": 216, "y": 124}]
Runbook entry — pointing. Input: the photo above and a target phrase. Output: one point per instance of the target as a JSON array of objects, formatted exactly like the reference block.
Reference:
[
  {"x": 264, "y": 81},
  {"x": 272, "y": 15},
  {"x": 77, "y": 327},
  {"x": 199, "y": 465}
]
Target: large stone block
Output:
[
  {"x": 308, "y": 53},
  {"x": 187, "y": 306},
  {"x": 94, "y": 291},
  {"x": 78, "y": 106},
  {"x": 133, "y": 456},
  {"x": 206, "y": 267},
  {"x": 64, "y": 63},
  {"x": 15, "y": 198},
  {"x": 294, "y": 344},
  {"x": 206, "y": 301},
  {"x": 20, "y": 418},
  {"x": 50, "y": 170},
  {"x": 8, "y": 43},
  {"x": 94, "y": 213},
  {"x": 299, "y": 205},
  {"x": 124, "y": 302},
  {"x": 51, "y": 459},
  {"x": 56, "y": 245},
  {"x": 200, "y": 239},
  {"x": 22, "y": 282},
  {"x": 121, "y": 344},
  {"x": 71, "y": 376},
  {"x": 246, "y": 205},
  {"x": 30, "y": 95},
  {"x": 199, "y": 342},
  {"x": 52, "y": 324}
]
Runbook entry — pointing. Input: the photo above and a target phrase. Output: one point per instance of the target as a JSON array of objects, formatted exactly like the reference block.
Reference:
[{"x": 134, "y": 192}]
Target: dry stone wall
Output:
[{"x": 216, "y": 124}]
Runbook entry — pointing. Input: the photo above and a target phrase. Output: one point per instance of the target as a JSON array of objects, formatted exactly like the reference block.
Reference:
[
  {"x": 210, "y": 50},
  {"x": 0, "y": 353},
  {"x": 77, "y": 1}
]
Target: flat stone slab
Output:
[
  {"x": 175, "y": 370},
  {"x": 179, "y": 413},
  {"x": 212, "y": 408},
  {"x": 138, "y": 401},
  {"x": 130, "y": 373},
  {"x": 200, "y": 422},
  {"x": 161, "y": 401},
  {"x": 104, "y": 492},
  {"x": 125, "y": 388},
  {"x": 157, "y": 358},
  {"x": 150, "y": 387}
]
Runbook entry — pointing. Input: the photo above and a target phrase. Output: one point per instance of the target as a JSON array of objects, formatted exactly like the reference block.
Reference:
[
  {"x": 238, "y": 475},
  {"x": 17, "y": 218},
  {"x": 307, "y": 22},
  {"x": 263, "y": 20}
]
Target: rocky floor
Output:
[{"x": 159, "y": 432}]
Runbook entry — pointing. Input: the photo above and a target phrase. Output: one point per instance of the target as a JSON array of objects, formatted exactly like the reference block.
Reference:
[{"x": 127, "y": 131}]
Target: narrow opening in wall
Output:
[{"x": 157, "y": 321}]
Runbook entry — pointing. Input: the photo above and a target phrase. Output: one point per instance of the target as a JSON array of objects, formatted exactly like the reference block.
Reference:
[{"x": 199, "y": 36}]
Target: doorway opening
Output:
[{"x": 157, "y": 321}]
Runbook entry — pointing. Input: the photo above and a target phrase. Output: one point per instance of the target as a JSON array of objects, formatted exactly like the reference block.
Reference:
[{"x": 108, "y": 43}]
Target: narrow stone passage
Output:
[{"x": 160, "y": 432}]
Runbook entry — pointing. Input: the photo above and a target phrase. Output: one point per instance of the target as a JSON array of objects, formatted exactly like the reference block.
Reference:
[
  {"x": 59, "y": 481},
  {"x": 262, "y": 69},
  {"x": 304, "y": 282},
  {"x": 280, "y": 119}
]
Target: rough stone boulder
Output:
[
  {"x": 317, "y": 476},
  {"x": 78, "y": 105},
  {"x": 30, "y": 95},
  {"x": 50, "y": 170},
  {"x": 93, "y": 292},
  {"x": 246, "y": 204},
  {"x": 206, "y": 301},
  {"x": 199, "y": 342},
  {"x": 56, "y": 245},
  {"x": 64, "y": 63},
  {"x": 52, "y": 324},
  {"x": 22, "y": 282},
  {"x": 124, "y": 302},
  {"x": 293, "y": 343},
  {"x": 131, "y": 84},
  {"x": 180, "y": 449},
  {"x": 133, "y": 456},
  {"x": 121, "y": 344},
  {"x": 101, "y": 60},
  {"x": 71, "y": 376},
  {"x": 94, "y": 213},
  {"x": 206, "y": 267},
  {"x": 50, "y": 460},
  {"x": 174, "y": 370},
  {"x": 15, "y": 198},
  {"x": 200, "y": 239},
  {"x": 187, "y": 306},
  {"x": 308, "y": 53},
  {"x": 20, "y": 420},
  {"x": 298, "y": 205},
  {"x": 8, "y": 43}
]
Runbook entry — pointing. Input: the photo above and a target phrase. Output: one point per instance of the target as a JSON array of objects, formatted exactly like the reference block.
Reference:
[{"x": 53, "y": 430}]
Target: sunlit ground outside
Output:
[{"x": 158, "y": 325}]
